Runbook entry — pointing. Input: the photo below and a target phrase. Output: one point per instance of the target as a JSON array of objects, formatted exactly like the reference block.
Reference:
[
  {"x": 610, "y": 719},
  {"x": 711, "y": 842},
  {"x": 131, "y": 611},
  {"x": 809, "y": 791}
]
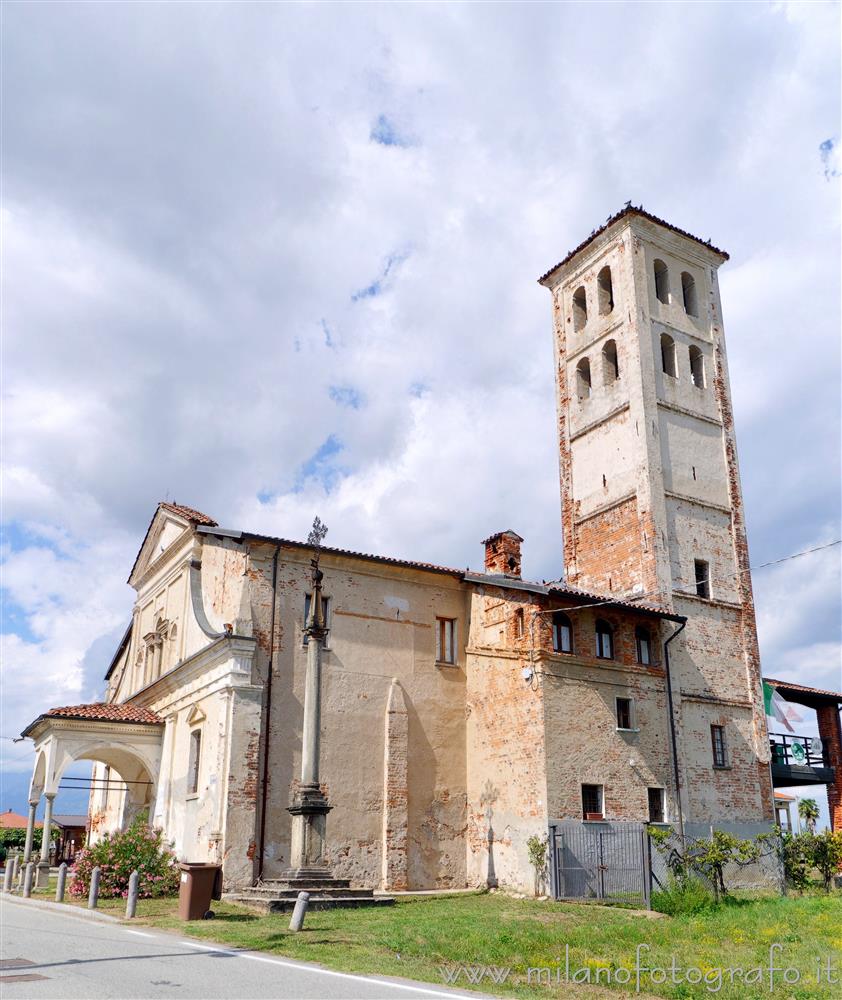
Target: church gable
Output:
[{"x": 168, "y": 526}]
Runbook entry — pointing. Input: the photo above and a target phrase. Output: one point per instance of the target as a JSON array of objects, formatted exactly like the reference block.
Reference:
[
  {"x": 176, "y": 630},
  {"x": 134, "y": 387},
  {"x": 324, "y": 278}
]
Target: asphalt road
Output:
[{"x": 61, "y": 955}]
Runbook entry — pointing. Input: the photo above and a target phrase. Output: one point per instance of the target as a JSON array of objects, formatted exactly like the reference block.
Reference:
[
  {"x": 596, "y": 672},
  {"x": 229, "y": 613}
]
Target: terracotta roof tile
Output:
[
  {"x": 196, "y": 516},
  {"x": 806, "y": 690},
  {"x": 102, "y": 712},
  {"x": 631, "y": 210}
]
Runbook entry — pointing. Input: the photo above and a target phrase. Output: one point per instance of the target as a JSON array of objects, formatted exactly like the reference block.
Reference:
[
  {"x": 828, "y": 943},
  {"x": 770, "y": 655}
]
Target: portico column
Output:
[
  {"x": 30, "y": 830},
  {"x": 42, "y": 876}
]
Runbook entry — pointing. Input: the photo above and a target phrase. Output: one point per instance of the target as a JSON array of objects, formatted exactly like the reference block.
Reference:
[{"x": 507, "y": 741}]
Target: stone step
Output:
[
  {"x": 282, "y": 905},
  {"x": 265, "y": 891},
  {"x": 306, "y": 884}
]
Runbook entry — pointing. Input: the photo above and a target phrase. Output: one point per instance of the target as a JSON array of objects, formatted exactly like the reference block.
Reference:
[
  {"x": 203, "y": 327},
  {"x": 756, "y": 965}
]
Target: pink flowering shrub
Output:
[{"x": 139, "y": 847}]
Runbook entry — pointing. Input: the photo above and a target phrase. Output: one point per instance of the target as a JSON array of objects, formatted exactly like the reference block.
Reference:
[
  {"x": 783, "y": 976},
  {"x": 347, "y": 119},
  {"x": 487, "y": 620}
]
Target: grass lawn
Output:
[{"x": 419, "y": 936}]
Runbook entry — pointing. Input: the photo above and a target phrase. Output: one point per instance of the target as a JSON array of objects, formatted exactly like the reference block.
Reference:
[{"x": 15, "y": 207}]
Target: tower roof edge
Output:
[{"x": 630, "y": 211}]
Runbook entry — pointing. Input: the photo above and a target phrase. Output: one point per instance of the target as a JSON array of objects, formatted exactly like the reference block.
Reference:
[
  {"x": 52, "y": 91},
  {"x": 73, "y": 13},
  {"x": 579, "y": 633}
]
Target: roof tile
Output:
[{"x": 103, "y": 712}]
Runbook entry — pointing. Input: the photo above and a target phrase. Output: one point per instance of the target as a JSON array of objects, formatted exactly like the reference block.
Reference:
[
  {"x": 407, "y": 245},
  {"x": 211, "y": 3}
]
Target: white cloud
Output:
[{"x": 192, "y": 198}]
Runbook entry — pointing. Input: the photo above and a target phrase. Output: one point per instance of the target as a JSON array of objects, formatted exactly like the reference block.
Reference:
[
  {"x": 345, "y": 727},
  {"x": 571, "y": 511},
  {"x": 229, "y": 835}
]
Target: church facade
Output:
[{"x": 462, "y": 712}]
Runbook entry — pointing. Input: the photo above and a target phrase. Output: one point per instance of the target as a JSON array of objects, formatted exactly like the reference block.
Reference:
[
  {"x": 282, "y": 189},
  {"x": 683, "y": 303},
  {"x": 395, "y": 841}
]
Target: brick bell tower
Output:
[{"x": 650, "y": 488}]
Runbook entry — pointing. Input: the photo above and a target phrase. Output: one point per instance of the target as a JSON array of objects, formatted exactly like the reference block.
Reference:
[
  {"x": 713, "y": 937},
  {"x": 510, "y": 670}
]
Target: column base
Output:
[{"x": 42, "y": 875}]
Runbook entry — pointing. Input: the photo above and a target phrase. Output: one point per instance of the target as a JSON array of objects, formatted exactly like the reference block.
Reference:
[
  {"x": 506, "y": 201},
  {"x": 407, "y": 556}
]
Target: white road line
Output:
[
  {"x": 138, "y": 933},
  {"x": 303, "y": 967}
]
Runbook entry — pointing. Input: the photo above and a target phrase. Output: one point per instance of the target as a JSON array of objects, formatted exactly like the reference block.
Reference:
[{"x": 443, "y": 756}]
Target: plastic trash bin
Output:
[{"x": 200, "y": 883}]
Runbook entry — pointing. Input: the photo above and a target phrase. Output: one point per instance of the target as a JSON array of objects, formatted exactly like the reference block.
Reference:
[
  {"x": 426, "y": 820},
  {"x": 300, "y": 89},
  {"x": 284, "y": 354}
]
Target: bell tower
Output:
[{"x": 650, "y": 489}]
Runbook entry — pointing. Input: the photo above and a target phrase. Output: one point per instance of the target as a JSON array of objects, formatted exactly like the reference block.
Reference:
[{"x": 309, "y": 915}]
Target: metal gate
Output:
[{"x": 605, "y": 861}]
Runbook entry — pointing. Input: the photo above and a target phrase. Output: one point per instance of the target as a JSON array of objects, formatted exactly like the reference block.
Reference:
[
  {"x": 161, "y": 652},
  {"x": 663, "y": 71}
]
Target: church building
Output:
[{"x": 463, "y": 712}]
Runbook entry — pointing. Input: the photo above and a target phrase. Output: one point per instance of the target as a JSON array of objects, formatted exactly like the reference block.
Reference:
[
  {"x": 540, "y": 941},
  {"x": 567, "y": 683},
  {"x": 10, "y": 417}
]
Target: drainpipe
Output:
[
  {"x": 264, "y": 785},
  {"x": 673, "y": 740}
]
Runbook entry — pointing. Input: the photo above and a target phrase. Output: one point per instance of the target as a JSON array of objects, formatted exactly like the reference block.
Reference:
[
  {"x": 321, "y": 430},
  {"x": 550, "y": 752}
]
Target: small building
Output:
[{"x": 70, "y": 836}]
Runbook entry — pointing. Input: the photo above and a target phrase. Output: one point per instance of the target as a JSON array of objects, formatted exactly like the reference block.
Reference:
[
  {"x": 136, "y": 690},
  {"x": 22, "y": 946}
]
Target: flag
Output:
[{"x": 778, "y": 709}]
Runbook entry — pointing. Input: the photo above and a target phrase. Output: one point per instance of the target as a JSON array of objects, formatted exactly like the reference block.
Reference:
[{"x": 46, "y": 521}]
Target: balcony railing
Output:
[{"x": 804, "y": 751}]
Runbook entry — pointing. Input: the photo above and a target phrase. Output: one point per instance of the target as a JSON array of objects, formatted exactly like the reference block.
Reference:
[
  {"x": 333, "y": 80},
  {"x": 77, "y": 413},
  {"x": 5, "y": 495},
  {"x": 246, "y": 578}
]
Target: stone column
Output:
[
  {"x": 30, "y": 830},
  {"x": 309, "y": 807},
  {"x": 42, "y": 874}
]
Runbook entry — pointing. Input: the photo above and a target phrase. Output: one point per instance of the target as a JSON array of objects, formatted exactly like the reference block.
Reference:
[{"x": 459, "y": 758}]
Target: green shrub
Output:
[
  {"x": 827, "y": 855},
  {"x": 16, "y": 837},
  {"x": 683, "y": 897},
  {"x": 137, "y": 848},
  {"x": 798, "y": 859}
]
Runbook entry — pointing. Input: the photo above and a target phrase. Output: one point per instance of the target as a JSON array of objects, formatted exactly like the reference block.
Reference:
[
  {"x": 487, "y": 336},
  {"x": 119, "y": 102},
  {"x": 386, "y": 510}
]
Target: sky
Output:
[{"x": 273, "y": 260}]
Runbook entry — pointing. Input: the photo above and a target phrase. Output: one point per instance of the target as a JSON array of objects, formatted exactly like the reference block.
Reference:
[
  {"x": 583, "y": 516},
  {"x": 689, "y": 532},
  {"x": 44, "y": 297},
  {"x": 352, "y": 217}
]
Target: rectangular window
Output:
[
  {"x": 308, "y": 600},
  {"x": 562, "y": 634},
  {"x": 702, "y": 571},
  {"x": 193, "y": 761},
  {"x": 657, "y": 812},
  {"x": 445, "y": 640},
  {"x": 644, "y": 646},
  {"x": 519, "y": 623},
  {"x": 625, "y": 716},
  {"x": 720, "y": 750},
  {"x": 592, "y": 802}
]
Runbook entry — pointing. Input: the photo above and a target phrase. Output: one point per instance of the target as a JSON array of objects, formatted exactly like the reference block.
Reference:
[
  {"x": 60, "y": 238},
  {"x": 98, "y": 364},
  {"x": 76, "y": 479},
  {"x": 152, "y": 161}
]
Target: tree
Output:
[
  {"x": 808, "y": 810},
  {"x": 537, "y": 849},
  {"x": 827, "y": 855},
  {"x": 798, "y": 858}
]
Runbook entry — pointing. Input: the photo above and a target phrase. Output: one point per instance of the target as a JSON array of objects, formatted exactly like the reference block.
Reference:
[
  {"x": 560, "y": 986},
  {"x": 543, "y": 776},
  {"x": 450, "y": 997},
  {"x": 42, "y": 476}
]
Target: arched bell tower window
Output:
[
  {"x": 662, "y": 281},
  {"x": 580, "y": 308},
  {"x": 697, "y": 367},
  {"x": 688, "y": 292},
  {"x": 605, "y": 291},
  {"x": 668, "y": 359},
  {"x": 610, "y": 364},
  {"x": 583, "y": 379}
]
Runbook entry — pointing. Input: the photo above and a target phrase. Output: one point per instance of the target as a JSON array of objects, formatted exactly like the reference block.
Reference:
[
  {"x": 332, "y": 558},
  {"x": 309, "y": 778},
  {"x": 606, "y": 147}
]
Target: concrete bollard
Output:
[
  {"x": 131, "y": 899},
  {"x": 299, "y": 912},
  {"x": 8, "y": 875},
  {"x": 93, "y": 894},
  {"x": 15, "y": 869},
  {"x": 27, "y": 880},
  {"x": 62, "y": 878}
]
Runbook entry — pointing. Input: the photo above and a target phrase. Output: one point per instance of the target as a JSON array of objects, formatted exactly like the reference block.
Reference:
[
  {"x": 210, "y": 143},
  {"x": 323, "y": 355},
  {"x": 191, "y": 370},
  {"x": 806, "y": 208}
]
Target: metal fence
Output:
[
  {"x": 617, "y": 862},
  {"x": 606, "y": 862}
]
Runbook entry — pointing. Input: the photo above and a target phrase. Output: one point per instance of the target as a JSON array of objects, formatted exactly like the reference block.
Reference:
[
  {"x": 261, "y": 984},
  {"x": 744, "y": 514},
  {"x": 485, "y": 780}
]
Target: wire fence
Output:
[{"x": 620, "y": 862}]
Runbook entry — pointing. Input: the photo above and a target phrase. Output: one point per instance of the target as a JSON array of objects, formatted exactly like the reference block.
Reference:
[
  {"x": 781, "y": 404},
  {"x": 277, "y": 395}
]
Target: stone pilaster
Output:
[{"x": 395, "y": 790}]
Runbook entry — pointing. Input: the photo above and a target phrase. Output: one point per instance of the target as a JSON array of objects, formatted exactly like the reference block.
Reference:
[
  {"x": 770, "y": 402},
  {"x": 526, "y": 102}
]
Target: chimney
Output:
[{"x": 502, "y": 554}]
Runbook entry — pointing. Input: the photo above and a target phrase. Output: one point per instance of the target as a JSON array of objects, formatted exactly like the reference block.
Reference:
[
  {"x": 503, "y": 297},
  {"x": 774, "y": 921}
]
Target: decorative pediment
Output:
[
  {"x": 166, "y": 529},
  {"x": 195, "y": 716}
]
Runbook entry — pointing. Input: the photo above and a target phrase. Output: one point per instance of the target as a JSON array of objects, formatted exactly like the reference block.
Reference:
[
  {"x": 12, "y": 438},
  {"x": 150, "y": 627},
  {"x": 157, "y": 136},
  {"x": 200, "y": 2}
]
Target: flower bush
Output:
[{"x": 139, "y": 847}]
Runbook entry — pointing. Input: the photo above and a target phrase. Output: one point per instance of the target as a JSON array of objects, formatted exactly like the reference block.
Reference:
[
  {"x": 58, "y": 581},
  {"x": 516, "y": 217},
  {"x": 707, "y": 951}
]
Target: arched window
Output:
[
  {"x": 668, "y": 359},
  {"x": 662, "y": 281},
  {"x": 688, "y": 292},
  {"x": 583, "y": 379},
  {"x": 610, "y": 364},
  {"x": 643, "y": 641},
  {"x": 604, "y": 640},
  {"x": 605, "y": 291},
  {"x": 562, "y": 633},
  {"x": 580, "y": 308},
  {"x": 697, "y": 367}
]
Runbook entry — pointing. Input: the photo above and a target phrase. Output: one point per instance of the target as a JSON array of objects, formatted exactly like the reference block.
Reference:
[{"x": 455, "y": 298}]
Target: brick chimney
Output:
[{"x": 502, "y": 554}]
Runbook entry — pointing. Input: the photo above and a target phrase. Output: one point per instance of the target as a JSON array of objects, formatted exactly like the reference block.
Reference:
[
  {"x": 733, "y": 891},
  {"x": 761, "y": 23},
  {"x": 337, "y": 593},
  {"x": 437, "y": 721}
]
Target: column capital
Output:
[{"x": 50, "y": 795}]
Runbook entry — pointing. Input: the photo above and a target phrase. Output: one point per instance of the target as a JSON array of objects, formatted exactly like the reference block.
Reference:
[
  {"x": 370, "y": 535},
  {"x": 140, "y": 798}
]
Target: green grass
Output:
[{"x": 418, "y": 936}]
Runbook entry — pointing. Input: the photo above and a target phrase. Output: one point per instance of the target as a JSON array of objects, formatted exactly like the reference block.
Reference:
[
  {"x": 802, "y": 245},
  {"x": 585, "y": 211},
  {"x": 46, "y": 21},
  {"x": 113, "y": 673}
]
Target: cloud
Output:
[{"x": 311, "y": 286}]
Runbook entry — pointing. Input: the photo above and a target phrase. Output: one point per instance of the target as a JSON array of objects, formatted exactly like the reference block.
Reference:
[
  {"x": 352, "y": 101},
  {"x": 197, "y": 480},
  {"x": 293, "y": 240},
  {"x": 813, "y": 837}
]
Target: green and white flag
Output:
[{"x": 778, "y": 709}]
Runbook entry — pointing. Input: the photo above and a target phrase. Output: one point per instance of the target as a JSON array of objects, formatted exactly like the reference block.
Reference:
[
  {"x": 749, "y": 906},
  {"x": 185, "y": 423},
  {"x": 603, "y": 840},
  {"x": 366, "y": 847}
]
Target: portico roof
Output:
[
  {"x": 801, "y": 695},
  {"x": 101, "y": 712}
]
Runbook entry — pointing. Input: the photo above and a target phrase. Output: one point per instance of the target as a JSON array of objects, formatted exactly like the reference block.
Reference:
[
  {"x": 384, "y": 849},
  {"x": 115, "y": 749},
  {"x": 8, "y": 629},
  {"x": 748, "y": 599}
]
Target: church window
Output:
[
  {"x": 519, "y": 627},
  {"x": 643, "y": 641},
  {"x": 662, "y": 281},
  {"x": 604, "y": 640},
  {"x": 657, "y": 809},
  {"x": 605, "y": 291},
  {"x": 445, "y": 640},
  {"x": 562, "y": 633},
  {"x": 580, "y": 308},
  {"x": 610, "y": 364},
  {"x": 668, "y": 359},
  {"x": 193, "y": 761},
  {"x": 688, "y": 292},
  {"x": 697, "y": 367},
  {"x": 625, "y": 713},
  {"x": 592, "y": 802},
  {"x": 719, "y": 746},
  {"x": 583, "y": 379},
  {"x": 702, "y": 575}
]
